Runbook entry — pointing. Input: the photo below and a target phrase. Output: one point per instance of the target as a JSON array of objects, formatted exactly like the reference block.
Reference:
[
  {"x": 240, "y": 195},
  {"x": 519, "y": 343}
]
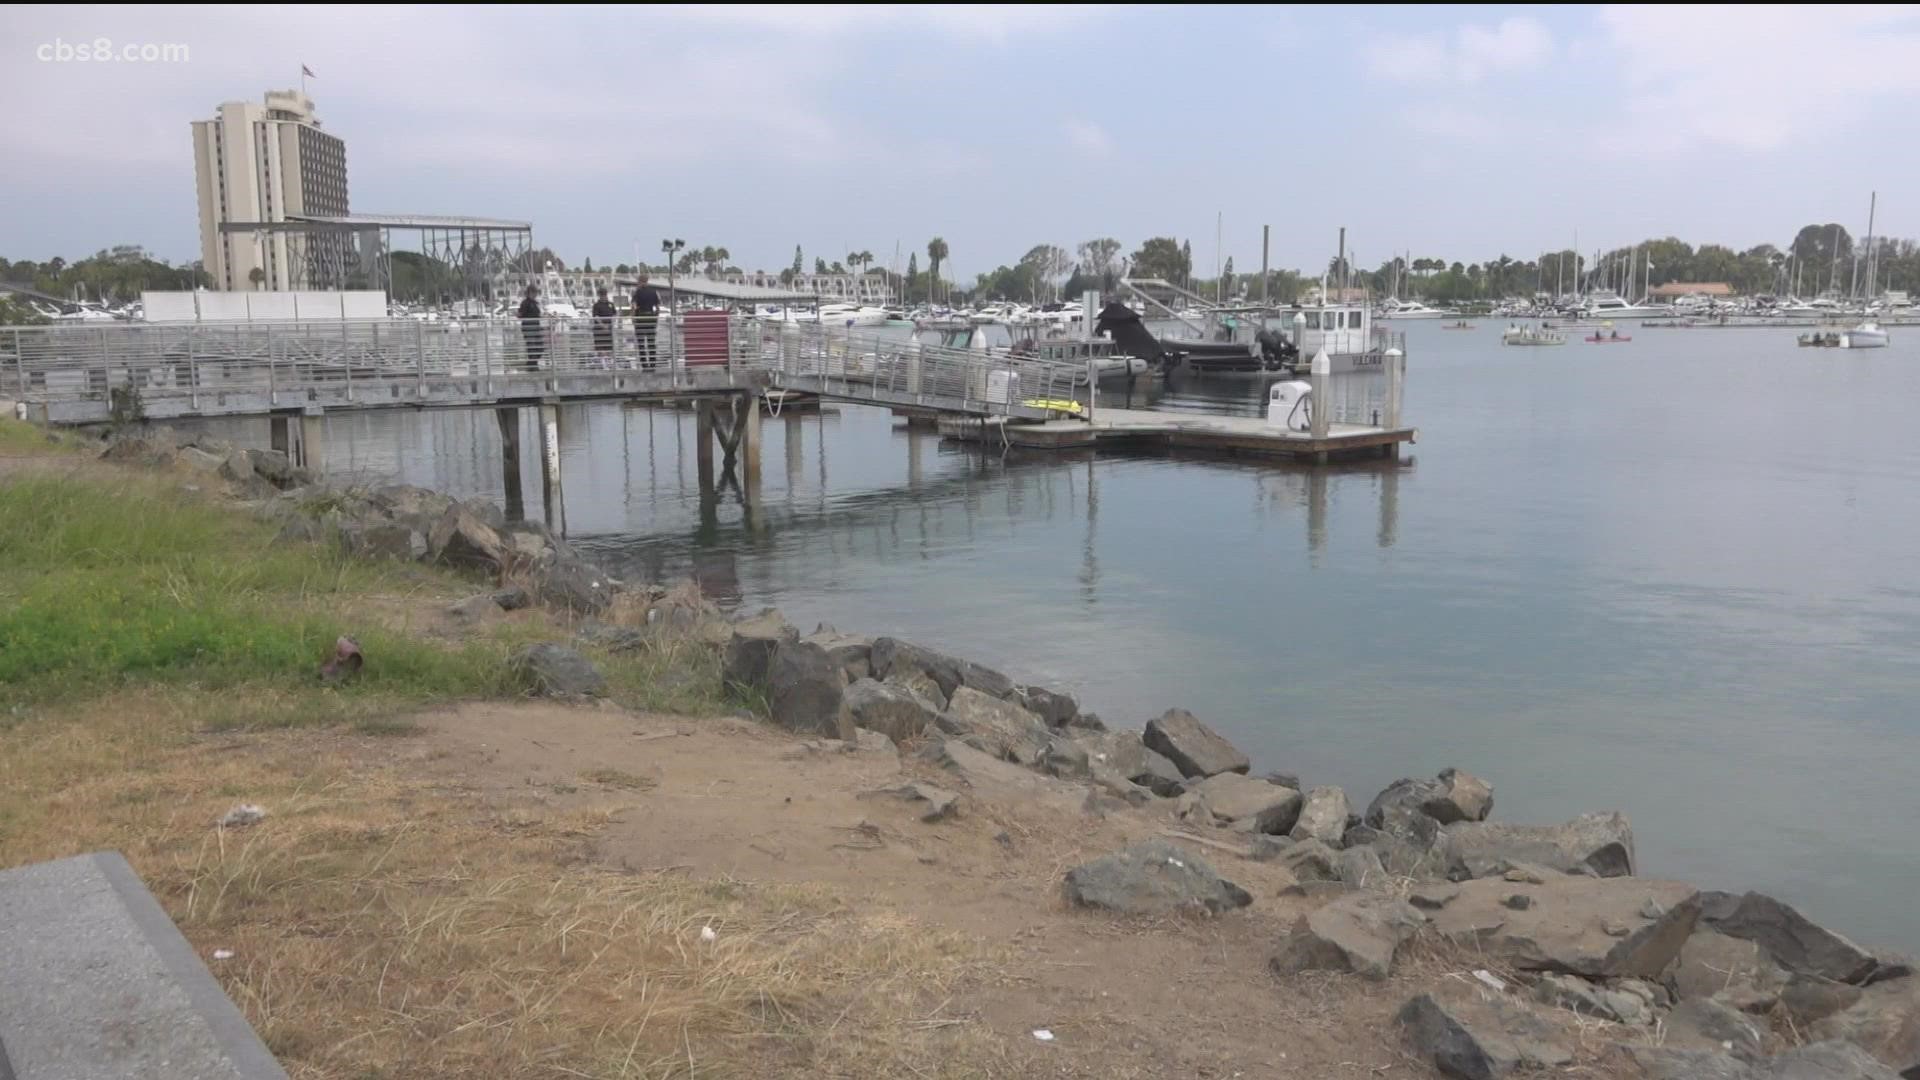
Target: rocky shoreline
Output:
[{"x": 1561, "y": 932}]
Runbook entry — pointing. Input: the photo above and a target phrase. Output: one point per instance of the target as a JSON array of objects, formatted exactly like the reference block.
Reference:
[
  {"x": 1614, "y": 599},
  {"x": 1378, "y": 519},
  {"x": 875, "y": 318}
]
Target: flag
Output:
[{"x": 308, "y": 72}]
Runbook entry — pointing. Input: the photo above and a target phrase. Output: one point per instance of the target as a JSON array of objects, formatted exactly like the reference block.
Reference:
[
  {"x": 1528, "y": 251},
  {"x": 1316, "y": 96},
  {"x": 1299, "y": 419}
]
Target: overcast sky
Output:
[{"x": 1461, "y": 132}]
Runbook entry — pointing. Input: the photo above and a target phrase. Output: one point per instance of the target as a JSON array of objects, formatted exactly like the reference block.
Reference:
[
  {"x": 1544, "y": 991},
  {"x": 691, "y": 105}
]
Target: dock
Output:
[{"x": 1166, "y": 429}]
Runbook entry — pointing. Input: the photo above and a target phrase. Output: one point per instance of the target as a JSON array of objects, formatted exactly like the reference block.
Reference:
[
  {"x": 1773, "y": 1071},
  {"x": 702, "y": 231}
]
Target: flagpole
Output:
[{"x": 303, "y": 80}]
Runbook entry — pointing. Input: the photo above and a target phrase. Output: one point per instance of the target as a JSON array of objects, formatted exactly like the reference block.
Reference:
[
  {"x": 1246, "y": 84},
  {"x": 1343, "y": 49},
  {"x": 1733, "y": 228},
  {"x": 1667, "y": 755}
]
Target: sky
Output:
[{"x": 1456, "y": 132}]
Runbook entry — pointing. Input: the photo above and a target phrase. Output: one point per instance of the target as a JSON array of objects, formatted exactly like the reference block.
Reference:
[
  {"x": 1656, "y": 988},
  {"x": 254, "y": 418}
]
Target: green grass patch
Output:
[
  {"x": 19, "y": 437},
  {"x": 106, "y": 583}
]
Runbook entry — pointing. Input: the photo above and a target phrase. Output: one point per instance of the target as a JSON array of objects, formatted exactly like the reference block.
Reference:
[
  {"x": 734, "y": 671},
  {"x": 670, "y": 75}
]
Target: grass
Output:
[{"x": 159, "y": 652}]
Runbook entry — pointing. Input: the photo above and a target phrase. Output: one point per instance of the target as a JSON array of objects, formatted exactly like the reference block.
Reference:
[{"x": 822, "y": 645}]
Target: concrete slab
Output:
[{"x": 100, "y": 985}]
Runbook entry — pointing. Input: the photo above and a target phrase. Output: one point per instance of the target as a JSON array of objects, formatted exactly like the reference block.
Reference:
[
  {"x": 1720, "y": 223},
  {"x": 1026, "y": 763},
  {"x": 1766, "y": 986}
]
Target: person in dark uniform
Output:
[
  {"x": 603, "y": 316},
  {"x": 531, "y": 331},
  {"x": 646, "y": 320}
]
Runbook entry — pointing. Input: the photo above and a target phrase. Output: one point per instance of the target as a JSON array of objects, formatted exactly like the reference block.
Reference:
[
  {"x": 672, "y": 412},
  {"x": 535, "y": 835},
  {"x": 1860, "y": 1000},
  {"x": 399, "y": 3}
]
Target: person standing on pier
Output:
[
  {"x": 646, "y": 320},
  {"x": 603, "y": 316},
  {"x": 531, "y": 332}
]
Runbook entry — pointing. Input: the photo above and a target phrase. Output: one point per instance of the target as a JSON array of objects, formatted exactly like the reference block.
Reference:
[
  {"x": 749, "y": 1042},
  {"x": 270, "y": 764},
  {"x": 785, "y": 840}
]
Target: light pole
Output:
[{"x": 672, "y": 250}]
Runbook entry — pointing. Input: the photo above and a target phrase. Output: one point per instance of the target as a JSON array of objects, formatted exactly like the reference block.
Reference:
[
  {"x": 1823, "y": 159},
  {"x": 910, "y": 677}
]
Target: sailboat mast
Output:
[{"x": 1873, "y": 203}]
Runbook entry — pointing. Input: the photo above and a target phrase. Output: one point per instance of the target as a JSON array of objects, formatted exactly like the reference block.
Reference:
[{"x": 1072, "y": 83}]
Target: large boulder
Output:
[
  {"x": 1596, "y": 927},
  {"x": 1361, "y": 868},
  {"x": 460, "y": 538},
  {"x": 854, "y": 654},
  {"x": 1476, "y": 1038},
  {"x": 1711, "y": 1024},
  {"x": 274, "y": 465},
  {"x": 1153, "y": 878},
  {"x": 891, "y": 655},
  {"x": 1885, "y": 1022},
  {"x": 1323, "y": 816},
  {"x": 1236, "y": 798},
  {"x": 1001, "y": 727},
  {"x": 377, "y": 540},
  {"x": 1360, "y": 932},
  {"x": 918, "y": 682},
  {"x": 238, "y": 467},
  {"x": 1648, "y": 1062},
  {"x": 1055, "y": 709},
  {"x": 1739, "y": 972},
  {"x": 894, "y": 711},
  {"x": 551, "y": 670},
  {"x": 569, "y": 583},
  {"x": 1128, "y": 756},
  {"x": 1193, "y": 747},
  {"x": 749, "y": 655},
  {"x": 1065, "y": 758},
  {"x": 1407, "y": 805},
  {"x": 806, "y": 692},
  {"x": 1790, "y": 938},
  {"x": 407, "y": 501},
  {"x": 1599, "y": 844},
  {"x": 1828, "y": 1060},
  {"x": 995, "y": 780},
  {"x": 1309, "y": 860}
]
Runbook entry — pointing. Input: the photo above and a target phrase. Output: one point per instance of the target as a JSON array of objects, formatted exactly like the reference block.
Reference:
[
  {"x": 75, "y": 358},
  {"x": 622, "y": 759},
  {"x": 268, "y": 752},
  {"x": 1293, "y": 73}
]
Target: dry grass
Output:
[{"x": 385, "y": 930}]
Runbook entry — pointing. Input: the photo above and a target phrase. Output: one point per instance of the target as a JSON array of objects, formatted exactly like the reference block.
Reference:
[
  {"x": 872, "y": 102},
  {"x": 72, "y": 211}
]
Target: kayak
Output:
[
  {"x": 1071, "y": 408},
  {"x": 1598, "y": 340}
]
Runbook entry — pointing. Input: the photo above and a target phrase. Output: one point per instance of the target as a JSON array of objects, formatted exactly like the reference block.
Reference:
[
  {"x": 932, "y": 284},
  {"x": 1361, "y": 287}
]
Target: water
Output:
[{"x": 1672, "y": 577}]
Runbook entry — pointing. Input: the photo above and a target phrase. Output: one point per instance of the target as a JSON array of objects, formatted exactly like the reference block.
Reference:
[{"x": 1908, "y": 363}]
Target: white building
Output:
[{"x": 265, "y": 163}]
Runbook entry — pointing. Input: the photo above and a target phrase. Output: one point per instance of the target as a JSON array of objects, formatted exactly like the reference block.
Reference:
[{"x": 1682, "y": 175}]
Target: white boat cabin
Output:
[{"x": 1338, "y": 328}]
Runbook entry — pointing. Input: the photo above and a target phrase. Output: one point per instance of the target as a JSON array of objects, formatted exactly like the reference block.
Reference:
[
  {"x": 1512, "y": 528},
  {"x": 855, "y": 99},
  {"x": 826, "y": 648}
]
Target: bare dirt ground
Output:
[{"x": 732, "y": 799}]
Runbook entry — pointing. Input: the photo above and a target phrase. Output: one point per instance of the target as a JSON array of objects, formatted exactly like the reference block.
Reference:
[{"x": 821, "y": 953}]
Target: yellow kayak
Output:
[{"x": 1071, "y": 408}]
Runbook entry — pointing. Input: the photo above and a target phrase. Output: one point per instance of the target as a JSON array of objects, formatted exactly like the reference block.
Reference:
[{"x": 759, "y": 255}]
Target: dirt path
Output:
[{"x": 734, "y": 799}]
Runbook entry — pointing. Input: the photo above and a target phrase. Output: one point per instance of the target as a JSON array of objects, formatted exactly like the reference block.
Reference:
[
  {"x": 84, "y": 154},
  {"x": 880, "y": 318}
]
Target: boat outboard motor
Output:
[{"x": 1123, "y": 325}]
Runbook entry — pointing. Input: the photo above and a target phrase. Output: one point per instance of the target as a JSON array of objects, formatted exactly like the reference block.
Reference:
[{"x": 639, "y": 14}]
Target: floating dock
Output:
[{"x": 1174, "y": 430}]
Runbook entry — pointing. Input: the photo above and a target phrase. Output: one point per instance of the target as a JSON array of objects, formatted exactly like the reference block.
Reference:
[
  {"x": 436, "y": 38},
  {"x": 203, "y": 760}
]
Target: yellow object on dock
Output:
[{"x": 1071, "y": 408}]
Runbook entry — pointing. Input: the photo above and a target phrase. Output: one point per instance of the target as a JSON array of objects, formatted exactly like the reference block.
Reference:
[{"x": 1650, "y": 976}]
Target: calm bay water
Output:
[{"x": 1673, "y": 577}]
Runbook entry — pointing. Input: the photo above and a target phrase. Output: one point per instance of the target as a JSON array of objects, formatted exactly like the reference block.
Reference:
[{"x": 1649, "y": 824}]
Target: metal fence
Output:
[{"x": 76, "y": 372}]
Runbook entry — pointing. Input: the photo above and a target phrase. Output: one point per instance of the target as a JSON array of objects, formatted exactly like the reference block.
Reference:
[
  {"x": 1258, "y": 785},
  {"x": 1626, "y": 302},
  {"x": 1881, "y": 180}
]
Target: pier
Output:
[{"x": 726, "y": 368}]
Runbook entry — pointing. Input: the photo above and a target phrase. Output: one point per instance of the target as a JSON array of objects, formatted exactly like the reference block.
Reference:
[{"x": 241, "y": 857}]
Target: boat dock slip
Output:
[{"x": 1247, "y": 435}]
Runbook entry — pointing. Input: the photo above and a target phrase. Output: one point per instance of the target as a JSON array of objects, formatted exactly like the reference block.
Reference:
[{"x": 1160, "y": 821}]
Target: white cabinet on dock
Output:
[{"x": 1290, "y": 406}]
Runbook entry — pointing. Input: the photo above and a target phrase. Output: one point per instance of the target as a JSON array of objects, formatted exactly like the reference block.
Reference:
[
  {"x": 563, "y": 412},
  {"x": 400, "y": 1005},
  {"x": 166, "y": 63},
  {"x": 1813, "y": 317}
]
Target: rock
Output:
[
  {"x": 488, "y": 513},
  {"x": 1741, "y": 972},
  {"x": 1109, "y": 781},
  {"x": 1127, "y": 755},
  {"x": 1579, "y": 996},
  {"x": 852, "y": 654},
  {"x": 1430, "y": 897},
  {"x": 749, "y": 654},
  {"x": 1153, "y": 878},
  {"x": 1360, "y": 867},
  {"x": 1099, "y": 804},
  {"x": 1518, "y": 902},
  {"x": 512, "y": 598},
  {"x": 1192, "y": 746},
  {"x": 1066, "y": 759},
  {"x": 1794, "y": 942},
  {"x": 1397, "y": 812},
  {"x": 1311, "y": 860},
  {"x": 458, "y": 538},
  {"x": 1809, "y": 999},
  {"x": 614, "y": 639},
  {"x": 1056, "y": 710},
  {"x": 1666, "y": 1063},
  {"x": 806, "y": 693},
  {"x": 1565, "y": 929},
  {"x": 1234, "y": 797},
  {"x": 894, "y": 711},
  {"x": 891, "y": 655},
  {"x": 1087, "y": 721},
  {"x": 941, "y": 803},
  {"x": 921, "y": 683},
  {"x": 1824, "y": 1061},
  {"x": 1476, "y": 1039},
  {"x": 1323, "y": 816},
  {"x": 381, "y": 540},
  {"x": 994, "y": 779},
  {"x": 1359, "y": 932},
  {"x": 197, "y": 459},
  {"x": 474, "y": 609},
  {"x": 1885, "y": 1022},
  {"x": 872, "y": 742},
  {"x": 551, "y": 670},
  {"x": 238, "y": 467},
  {"x": 1461, "y": 797},
  {"x": 242, "y": 816},
  {"x": 569, "y": 583},
  {"x": 1528, "y": 873},
  {"x": 1600, "y": 844},
  {"x": 405, "y": 500},
  {"x": 1268, "y": 848},
  {"x": 1005, "y": 728},
  {"x": 274, "y": 465},
  {"x": 1710, "y": 1024}
]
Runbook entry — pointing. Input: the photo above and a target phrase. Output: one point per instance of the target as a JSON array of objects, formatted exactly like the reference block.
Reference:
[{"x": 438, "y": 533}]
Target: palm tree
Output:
[
  {"x": 257, "y": 276},
  {"x": 936, "y": 254}
]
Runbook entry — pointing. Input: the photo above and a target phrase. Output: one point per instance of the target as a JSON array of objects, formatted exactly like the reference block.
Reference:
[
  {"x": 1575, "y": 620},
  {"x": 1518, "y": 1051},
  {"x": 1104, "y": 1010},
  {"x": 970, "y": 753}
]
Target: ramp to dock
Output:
[
  {"x": 1185, "y": 431},
  {"x": 98, "y": 983}
]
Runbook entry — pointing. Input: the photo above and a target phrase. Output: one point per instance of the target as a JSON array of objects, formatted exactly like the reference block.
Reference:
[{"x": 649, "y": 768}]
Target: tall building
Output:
[{"x": 265, "y": 163}]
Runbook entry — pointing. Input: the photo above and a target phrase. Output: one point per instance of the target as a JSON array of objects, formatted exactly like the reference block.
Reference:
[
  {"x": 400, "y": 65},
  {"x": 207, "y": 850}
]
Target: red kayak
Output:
[{"x": 1598, "y": 340}]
